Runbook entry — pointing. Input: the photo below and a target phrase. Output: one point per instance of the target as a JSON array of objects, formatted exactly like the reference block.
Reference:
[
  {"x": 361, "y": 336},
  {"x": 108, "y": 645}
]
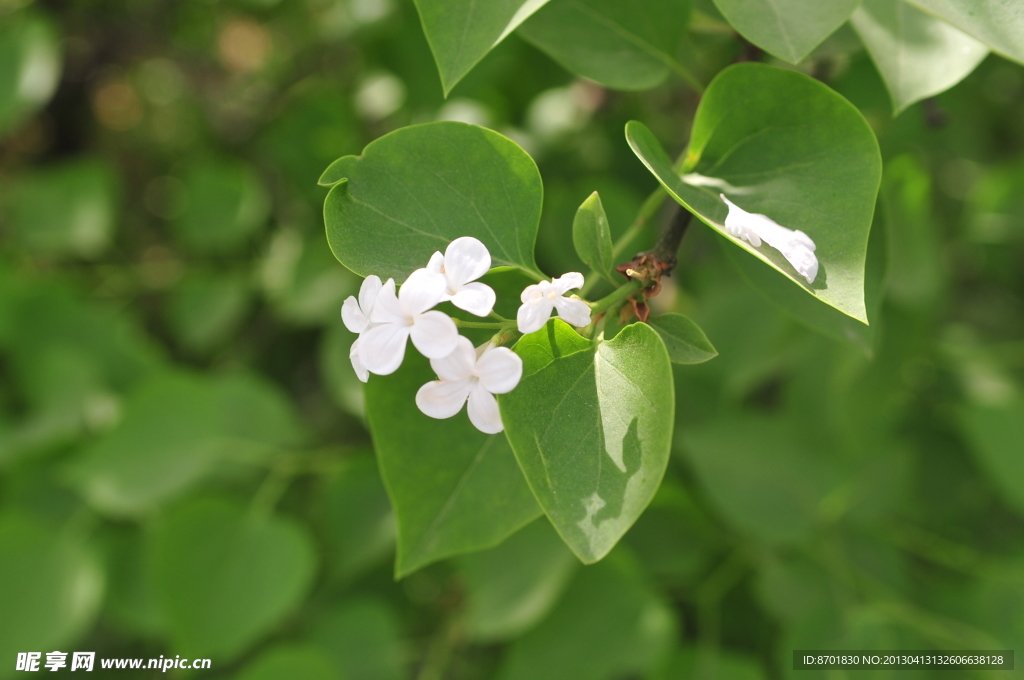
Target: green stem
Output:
[
  {"x": 484, "y": 324},
  {"x": 617, "y": 296}
]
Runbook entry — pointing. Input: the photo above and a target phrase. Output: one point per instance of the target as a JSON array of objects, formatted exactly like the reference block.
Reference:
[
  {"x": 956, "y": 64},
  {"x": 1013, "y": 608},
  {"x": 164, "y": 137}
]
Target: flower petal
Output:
[
  {"x": 353, "y": 316},
  {"x": 443, "y": 398},
  {"x": 466, "y": 259},
  {"x": 483, "y": 411},
  {"x": 531, "y": 293},
  {"x": 434, "y": 334},
  {"x": 386, "y": 308},
  {"x": 532, "y": 316},
  {"x": 499, "y": 370},
  {"x": 458, "y": 365},
  {"x": 421, "y": 291},
  {"x": 357, "y": 362},
  {"x": 796, "y": 246},
  {"x": 573, "y": 311},
  {"x": 368, "y": 293},
  {"x": 740, "y": 223},
  {"x": 382, "y": 348},
  {"x": 475, "y": 298},
  {"x": 567, "y": 282},
  {"x": 436, "y": 262}
]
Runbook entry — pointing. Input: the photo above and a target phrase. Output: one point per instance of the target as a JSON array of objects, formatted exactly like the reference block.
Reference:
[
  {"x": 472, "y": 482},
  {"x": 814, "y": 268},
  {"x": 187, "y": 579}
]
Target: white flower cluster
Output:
[{"x": 384, "y": 320}]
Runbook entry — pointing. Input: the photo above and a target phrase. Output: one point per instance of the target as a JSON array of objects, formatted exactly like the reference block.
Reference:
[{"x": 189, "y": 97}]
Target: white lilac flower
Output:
[
  {"x": 796, "y": 246},
  {"x": 473, "y": 375},
  {"x": 465, "y": 260},
  {"x": 541, "y": 298},
  {"x": 356, "y": 315},
  {"x": 397, "y": 318}
]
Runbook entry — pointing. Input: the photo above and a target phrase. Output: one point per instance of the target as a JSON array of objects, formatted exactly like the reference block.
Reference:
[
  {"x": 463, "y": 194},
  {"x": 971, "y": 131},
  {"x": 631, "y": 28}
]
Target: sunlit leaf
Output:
[
  {"x": 626, "y": 46},
  {"x": 417, "y": 189},
  {"x": 788, "y": 29},
  {"x": 30, "y": 66},
  {"x": 917, "y": 54},
  {"x": 462, "y": 32},
  {"x": 592, "y": 236},
  {"x": 591, "y": 426},
  {"x": 784, "y": 145},
  {"x": 454, "y": 489},
  {"x": 997, "y": 23}
]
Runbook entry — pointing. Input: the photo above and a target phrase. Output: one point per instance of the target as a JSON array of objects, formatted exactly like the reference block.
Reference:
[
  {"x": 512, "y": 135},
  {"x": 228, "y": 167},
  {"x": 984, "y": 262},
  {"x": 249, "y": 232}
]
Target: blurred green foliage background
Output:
[{"x": 184, "y": 468}]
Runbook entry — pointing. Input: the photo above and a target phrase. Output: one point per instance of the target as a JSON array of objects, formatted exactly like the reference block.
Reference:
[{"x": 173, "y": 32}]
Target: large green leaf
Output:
[
  {"x": 684, "y": 340},
  {"x": 30, "y": 64},
  {"x": 626, "y": 46},
  {"x": 462, "y": 32},
  {"x": 591, "y": 425},
  {"x": 225, "y": 578},
  {"x": 50, "y": 589},
  {"x": 512, "y": 587},
  {"x": 822, "y": 318},
  {"x": 996, "y": 434},
  {"x": 997, "y": 23},
  {"x": 788, "y": 29},
  {"x": 609, "y": 624},
  {"x": 592, "y": 237},
  {"x": 454, "y": 489},
  {"x": 917, "y": 54},
  {"x": 784, "y": 145},
  {"x": 415, "y": 190},
  {"x": 175, "y": 429}
]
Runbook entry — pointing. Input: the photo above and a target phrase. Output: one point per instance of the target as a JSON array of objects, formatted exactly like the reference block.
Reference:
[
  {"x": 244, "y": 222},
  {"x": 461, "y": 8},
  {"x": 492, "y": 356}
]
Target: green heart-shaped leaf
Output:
[
  {"x": 788, "y": 29},
  {"x": 917, "y": 54},
  {"x": 462, "y": 32},
  {"x": 592, "y": 236},
  {"x": 415, "y": 190},
  {"x": 225, "y": 579},
  {"x": 454, "y": 489},
  {"x": 784, "y": 145},
  {"x": 997, "y": 23},
  {"x": 626, "y": 46},
  {"x": 591, "y": 426}
]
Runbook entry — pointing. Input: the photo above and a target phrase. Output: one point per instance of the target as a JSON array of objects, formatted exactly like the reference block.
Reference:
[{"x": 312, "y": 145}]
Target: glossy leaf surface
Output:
[
  {"x": 454, "y": 489},
  {"x": 997, "y": 23},
  {"x": 788, "y": 29},
  {"x": 592, "y": 236},
  {"x": 784, "y": 145},
  {"x": 417, "y": 189},
  {"x": 591, "y": 426},
  {"x": 684, "y": 340}
]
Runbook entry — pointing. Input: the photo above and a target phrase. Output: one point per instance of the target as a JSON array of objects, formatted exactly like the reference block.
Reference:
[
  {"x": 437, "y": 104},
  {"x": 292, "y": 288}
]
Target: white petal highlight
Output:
[
  {"x": 386, "y": 308},
  {"x": 475, "y": 298},
  {"x": 442, "y": 399},
  {"x": 567, "y": 282},
  {"x": 434, "y": 334},
  {"x": 368, "y": 292},
  {"x": 357, "y": 362},
  {"x": 573, "y": 311},
  {"x": 421, "y": 291},
  {"x": 483, "y": 411},
  {"x": 532, "y": 315},
  {"x": 457, "y": 365},
  {"x": 796, "y": 246},
  {"x": 436, "y": 263},
  {"x": 499, "y": 370},
  {"x": 382, "y": 348},
  {"x": 353, "y": 317},
  {"x": 466, "y": 259}
]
